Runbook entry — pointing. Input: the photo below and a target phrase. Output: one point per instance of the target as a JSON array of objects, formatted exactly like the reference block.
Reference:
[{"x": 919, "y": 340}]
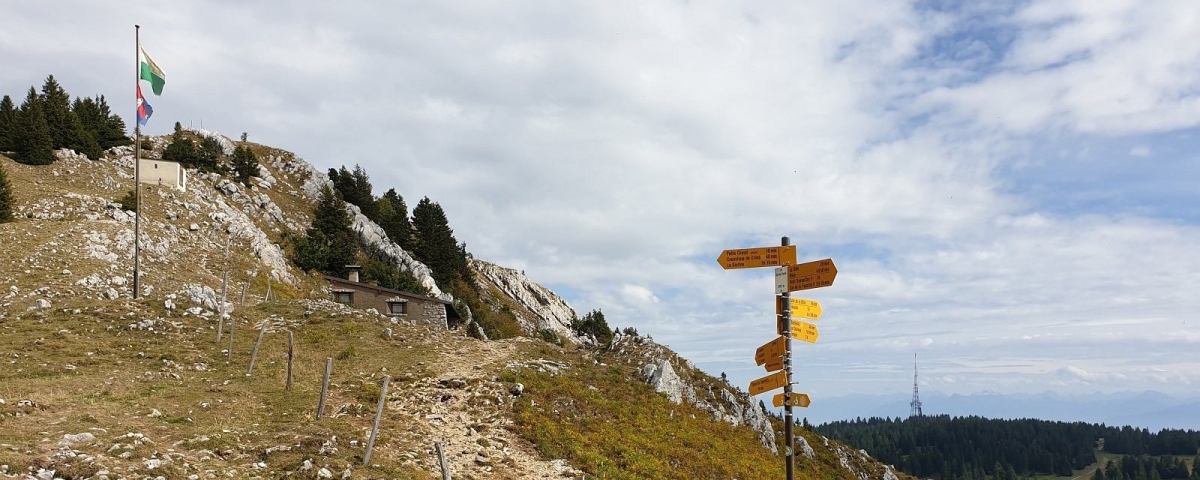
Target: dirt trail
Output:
[{"x": 465, "y": 408}]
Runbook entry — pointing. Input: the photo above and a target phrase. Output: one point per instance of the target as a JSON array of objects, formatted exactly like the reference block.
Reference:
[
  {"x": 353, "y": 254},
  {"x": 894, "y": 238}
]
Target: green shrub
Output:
[
  {"x": 128, "y": 202},
  {"x": 6, "y": 198}
]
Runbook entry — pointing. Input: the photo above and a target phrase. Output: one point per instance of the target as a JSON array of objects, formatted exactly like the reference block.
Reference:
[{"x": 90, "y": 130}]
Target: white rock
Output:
[
  {"x": 41, "y": 303},
  {"x": 111, "y": 293},
  {"x": 324, "y": 473},
  {"x": 84, "y": 437},
  {"x": 193, "y": 227}
]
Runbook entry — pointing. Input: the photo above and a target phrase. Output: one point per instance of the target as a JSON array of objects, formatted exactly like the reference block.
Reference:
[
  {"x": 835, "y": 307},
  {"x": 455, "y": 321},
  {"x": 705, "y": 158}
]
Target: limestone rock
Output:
[{"x": 551, "y": 312}]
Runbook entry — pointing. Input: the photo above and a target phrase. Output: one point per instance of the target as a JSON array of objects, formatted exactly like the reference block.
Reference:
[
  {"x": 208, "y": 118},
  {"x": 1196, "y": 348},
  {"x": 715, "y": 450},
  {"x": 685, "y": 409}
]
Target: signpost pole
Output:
[{"x": 787, "y": 389}]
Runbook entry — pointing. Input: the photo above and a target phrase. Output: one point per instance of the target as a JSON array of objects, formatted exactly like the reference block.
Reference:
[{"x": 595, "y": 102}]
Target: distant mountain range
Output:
[{"x": 1149, "y": 409}]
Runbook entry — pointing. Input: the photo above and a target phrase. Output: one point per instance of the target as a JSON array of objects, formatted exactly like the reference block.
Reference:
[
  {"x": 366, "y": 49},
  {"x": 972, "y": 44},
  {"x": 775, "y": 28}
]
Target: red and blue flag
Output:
[{"x": 144, "y": 110}]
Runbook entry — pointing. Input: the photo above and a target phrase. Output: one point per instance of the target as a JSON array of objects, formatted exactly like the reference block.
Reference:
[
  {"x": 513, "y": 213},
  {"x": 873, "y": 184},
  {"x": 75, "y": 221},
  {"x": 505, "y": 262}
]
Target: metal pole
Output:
[
  {"x": 787, "y": 388},
  {"x": 137, "y": 157}
]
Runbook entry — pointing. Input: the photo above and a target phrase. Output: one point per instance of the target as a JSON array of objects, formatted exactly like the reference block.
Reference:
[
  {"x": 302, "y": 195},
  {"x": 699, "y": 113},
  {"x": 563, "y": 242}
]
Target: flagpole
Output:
[{"x": 137, "y": 163}]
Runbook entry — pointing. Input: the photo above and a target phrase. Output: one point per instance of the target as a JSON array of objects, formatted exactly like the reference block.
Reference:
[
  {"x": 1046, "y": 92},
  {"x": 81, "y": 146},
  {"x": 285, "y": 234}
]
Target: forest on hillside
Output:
[{"x": 951, "y": 448}]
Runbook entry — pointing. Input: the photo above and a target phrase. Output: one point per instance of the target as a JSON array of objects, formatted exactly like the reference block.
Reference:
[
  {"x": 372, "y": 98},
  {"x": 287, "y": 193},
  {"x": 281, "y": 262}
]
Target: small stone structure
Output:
[
  {"x": 408, "y": 306},
  {"x": 162, "y": 172}
]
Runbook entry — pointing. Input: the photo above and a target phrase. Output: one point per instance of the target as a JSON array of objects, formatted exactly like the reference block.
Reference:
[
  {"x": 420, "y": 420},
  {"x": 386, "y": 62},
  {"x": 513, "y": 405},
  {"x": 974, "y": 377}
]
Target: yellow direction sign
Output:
[
  {"x": 797, "y": 400},
  {"x": 757, "y": 257},
  {"x": 805, "y": 276},
  {"x": 772, "y": 349},
  {"x": 801, "y": 308},
  {"x": 774, "y": 364},
  {"x": 803, "y": 331},
  {"x": 770, "y": 382}
]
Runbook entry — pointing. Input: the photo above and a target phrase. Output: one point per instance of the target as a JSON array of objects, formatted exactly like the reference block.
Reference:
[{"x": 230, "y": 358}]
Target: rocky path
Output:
[{"x": 465, "y": 407}]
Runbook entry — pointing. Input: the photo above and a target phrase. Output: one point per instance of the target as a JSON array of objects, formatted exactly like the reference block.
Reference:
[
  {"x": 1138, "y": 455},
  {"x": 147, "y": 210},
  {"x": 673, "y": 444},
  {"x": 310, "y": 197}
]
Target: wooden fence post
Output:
[
  {"x": 244, "y": 285},
  {"x": 291, "y": 357},
  {"x": 232, "y": 328},
  {"x": 442, "y": 460},
  {"x": 254, "y": 353},
  {"x": 378, "y": 416},
  {"x": 324, "y": 387},
  {"x": 221, "y": 308}
]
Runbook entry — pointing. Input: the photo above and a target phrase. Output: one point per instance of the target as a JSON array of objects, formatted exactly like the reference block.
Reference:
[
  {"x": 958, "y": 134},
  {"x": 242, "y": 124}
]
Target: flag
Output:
[
  {"x": 149, "y": 71},
  {"x": 143, "y": 108}
]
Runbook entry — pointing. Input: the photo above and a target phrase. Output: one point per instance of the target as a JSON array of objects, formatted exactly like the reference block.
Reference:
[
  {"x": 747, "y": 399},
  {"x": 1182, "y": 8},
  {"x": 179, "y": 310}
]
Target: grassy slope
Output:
[{"x": 86, "y": 370}]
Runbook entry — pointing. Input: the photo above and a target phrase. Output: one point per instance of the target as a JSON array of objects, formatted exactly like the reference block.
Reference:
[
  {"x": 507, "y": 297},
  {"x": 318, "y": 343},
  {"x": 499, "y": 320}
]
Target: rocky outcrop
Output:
[
  {"x": 547, "y": 310},
  {"x": 372, "y": 234},
  {"x": 721, "y": 402}
]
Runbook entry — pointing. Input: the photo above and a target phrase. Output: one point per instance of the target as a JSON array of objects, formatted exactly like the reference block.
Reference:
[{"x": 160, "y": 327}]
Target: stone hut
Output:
[{"x": 409, "y": 306}]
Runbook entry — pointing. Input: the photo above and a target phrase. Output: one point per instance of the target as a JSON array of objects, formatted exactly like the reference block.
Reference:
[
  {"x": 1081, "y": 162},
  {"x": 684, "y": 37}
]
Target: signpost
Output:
[
  {"x": 776, "y": 355},
  {"x": 795, "y": 400},
  {"x": 805, "y": 276},
  {"x": 769, "y": 382},
  {"x": 773, "y": 348},
  {"x": 774, "y": 364},
  {"x": 757, "y": 257},
  {"x": 800, "y": 307},
  {"x": 803, "y": 331}
]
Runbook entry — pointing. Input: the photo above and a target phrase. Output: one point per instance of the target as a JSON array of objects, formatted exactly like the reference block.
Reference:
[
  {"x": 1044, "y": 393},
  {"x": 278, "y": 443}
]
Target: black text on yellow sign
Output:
[
  {"x": 770, "y": 382},
  {"x": 802, "y": 331}
]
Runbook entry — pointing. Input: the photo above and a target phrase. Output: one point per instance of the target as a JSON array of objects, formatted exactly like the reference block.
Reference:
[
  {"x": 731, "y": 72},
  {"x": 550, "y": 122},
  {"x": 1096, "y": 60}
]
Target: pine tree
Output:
[
  {"x": 182, "y": 150},
  {"x": 355, "y": 188},
  {"x": 435, "y": 245},
  {"x": 245, "y": 164},
  {"x": 209, "y": 155},
  {"x": 112, "y": 131},
  {"x": 34, "y": 144},
  {"x": 330, "y": 244},
  {"x": 9, "y": 124},
  {"x": 56, "y": 104},
  {"x": 393, "y": 218},
  {"x": 6, "y": 197}
]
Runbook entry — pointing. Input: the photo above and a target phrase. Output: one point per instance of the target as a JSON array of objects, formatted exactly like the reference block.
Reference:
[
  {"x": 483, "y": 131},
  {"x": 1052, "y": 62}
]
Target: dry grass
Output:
[{"x": 89, "y": 372}]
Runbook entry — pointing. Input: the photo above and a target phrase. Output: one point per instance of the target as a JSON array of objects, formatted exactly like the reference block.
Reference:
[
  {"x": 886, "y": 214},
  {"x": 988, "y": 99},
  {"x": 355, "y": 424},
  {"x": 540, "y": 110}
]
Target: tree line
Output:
[
  {"x": 50, "y": 120},
  {"x": 976, "y": 448}
]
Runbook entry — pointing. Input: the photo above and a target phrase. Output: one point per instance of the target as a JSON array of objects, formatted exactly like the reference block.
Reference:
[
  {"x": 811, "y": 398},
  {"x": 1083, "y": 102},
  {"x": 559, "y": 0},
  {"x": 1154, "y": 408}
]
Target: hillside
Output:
[{"x": 100, "y": 385}]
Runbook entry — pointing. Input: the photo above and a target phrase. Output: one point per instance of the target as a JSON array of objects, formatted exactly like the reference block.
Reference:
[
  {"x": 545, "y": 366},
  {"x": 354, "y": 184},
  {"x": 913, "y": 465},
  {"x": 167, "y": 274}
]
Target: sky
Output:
[{"x": 1009, "y": 190}]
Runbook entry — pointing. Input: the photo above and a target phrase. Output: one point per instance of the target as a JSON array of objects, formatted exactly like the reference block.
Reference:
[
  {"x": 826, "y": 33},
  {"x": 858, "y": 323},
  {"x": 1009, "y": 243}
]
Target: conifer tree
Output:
[
  {"x": 9, "y": 124},
  {"x": 112, "y": 131},
  {"x": 355, "y": 188},
  {"x": 182, "y": 150},
  {"x": 209, "y": 155},
  {"x": 245, "y": 164},
  {"x": 34, "y": 144},
  {"x": 330, "y": 243},
  {"x": 56, "y": 106},
  {"x": 6, "y": 198},
  {"x": 435, "y": 245},
  {"x": 393, "y": 218}
]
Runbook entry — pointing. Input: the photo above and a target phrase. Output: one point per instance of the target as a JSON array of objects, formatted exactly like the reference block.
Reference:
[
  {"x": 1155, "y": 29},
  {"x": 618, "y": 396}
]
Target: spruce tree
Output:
[
  {"x": 436, "y": 246},
  {"x": 34, "y": 144},
  {"x": 182, "y": 150},
  {"x": 355, "y": 188},
  {"x": 9, "y": 124},
  {"x": 209, "y": 155},
  {"x": 393, "y": 218},
  {"x": 112, "y": 131},
  {"x": 330, "y": 243},
  {"x": 245, "y": 164},
  {"x": 56, "y": 104},
  {"x": 6, "y": 198}
]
